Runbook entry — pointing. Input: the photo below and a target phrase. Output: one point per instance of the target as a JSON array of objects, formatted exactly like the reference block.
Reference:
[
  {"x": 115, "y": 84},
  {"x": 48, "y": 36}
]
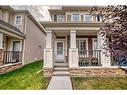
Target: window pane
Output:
[
  {"x": 18, "y": 19},
  {"x": 60, "y": 18},
  {"x": 95, "y": 43},
  {"x": 59, "y": 48},
  {"x": 75, "y": 17},
  {"x": 88, "y": 18},
  {"x": 16, "y": 45}
]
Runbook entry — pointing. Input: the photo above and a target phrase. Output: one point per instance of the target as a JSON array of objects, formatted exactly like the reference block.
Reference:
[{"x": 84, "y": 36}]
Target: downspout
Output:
[{"x": 23, "y": 46}]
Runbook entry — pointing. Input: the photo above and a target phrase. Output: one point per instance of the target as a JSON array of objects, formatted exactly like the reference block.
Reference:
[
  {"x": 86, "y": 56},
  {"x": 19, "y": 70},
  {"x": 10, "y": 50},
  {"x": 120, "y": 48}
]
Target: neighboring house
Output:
[
  {"x": 73, "y": 39},
  {"x": 22, "y": 38}
]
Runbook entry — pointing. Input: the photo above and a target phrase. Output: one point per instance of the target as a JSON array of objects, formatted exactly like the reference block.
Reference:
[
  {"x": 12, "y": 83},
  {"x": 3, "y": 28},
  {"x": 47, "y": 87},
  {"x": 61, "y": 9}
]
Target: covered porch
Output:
[
  {"x": 11, "y": 44},
  {"x": 76, "y": 47}
]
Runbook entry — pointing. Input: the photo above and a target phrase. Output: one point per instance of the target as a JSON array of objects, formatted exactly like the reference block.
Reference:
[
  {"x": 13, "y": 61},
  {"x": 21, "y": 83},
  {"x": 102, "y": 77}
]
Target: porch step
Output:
[
  {"x": 60, "y": 64},
  {"x": 60, "y": 73},
  {"x": 64, "y": 68}
]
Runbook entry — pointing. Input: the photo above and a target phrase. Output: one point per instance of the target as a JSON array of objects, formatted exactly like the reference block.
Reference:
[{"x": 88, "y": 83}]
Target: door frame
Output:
[{"x": 55, "y": 48}]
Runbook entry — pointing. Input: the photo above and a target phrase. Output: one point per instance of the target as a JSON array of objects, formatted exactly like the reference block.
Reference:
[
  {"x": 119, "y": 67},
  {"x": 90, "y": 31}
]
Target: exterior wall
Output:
[
  {"x": 97, "y": 72},
  {"x": 9, "y": 67},
  {"x": 1, "y": 56},
  {"x": 12, "y": 20},
  {"x": 4, "y": 15},
  {"x": 34, "y": 43}
]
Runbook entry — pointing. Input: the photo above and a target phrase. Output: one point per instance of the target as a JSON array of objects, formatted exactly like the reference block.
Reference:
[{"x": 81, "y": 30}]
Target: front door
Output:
[{"x": 59, "y": 51}]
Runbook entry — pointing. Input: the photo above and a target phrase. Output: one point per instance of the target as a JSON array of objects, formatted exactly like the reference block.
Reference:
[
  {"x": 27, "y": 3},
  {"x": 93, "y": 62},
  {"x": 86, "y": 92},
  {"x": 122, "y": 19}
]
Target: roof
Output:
[
  {"x": 32, "y": 18},
  {"x": 63, "y": 9},
  {"x": 71, "y": 24},
  {"x": 11, "y": 28}
]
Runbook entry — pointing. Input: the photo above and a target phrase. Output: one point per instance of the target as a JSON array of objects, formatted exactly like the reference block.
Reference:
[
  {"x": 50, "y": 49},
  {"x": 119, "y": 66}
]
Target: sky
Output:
[{"x": 39, "y": 12}]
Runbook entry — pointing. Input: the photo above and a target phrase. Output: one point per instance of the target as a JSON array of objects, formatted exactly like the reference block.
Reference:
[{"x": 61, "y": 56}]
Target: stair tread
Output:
[{"x": 61, "y": 72}]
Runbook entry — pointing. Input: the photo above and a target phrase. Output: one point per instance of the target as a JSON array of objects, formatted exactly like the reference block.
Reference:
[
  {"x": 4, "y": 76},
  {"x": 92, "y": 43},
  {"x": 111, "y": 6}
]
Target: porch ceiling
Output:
[{"x": 79, "y": 32}]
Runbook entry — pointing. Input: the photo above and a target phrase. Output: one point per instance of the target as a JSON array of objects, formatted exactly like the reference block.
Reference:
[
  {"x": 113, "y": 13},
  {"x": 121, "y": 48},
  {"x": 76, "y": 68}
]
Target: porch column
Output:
[
  {"x": 48, "y": 51},
  {"x": 1, "y": 48},
  {"x": 105, "y": 58},
  {"x": 73, "y": 51}
]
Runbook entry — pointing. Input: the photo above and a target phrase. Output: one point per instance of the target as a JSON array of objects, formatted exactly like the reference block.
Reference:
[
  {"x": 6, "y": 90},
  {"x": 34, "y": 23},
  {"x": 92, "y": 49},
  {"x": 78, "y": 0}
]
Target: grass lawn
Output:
[
  {"x": 24, "y": 78},
  {"x": 108, "y": 83}
]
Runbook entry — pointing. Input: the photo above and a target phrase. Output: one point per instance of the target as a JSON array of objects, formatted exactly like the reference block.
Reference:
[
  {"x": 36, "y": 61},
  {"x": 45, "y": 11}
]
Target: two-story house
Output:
[
  {"x": 74, "y": 43},
  {"x": 22, "y": 38}
]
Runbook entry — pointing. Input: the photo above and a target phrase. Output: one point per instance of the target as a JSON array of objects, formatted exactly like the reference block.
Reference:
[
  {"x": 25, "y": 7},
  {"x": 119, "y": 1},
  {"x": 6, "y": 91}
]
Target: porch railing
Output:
[
  {"x": 12, "y": 57},
  {"x": 89, "y": 58}
]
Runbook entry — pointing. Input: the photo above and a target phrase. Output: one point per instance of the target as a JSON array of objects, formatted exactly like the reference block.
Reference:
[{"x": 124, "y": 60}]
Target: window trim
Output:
[
  {"x": 73, "y": 19},
  {"x": 61, "y": 15},
  {"x": 84, "y": 19},
  {"x": 16, "y": 19},
  {"x": 100, "y": 19},
  {"x": 93, "y": 43}
]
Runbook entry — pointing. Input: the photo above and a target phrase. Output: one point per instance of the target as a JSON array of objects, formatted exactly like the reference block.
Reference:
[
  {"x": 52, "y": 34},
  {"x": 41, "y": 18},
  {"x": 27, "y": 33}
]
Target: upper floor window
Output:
[
  {"x": 60, "y": 18},
  {"x": 18, "y": 20},
  {"x": 75, "y": 17},
  {"x": 98, "y": 18},
  {"x": 87, "y": 17}
]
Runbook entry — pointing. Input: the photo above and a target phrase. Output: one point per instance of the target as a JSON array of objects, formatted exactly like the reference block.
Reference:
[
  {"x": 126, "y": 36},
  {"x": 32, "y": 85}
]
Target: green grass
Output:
[
  {"x": 108, "y": 83},
  {"x": 24, "y": 78}
]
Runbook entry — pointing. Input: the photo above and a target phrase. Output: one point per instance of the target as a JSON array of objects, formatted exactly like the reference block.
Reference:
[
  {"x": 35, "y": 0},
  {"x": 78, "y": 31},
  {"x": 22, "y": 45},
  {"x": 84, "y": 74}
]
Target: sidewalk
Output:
[{"x": 60, "y": 83}]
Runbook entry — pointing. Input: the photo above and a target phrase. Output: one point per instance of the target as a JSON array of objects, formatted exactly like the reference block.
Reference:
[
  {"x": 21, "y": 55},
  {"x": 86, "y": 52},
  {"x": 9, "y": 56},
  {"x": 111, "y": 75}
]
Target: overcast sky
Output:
[{"x": 39, "y": 12}]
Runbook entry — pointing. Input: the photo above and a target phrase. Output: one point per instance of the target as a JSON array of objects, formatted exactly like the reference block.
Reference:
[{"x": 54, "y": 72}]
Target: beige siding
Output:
[
  {"x": 12, "y": 20},
  {"x": 34, "y": 43}
]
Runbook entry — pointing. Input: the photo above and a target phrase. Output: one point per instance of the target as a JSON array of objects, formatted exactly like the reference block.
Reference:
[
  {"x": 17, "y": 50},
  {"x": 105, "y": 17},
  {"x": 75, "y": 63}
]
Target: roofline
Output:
[{"x": 31, "y": 17}]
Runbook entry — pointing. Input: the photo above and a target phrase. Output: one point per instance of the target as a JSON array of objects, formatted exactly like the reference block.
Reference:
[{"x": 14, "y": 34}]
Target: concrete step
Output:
[
  {"x": 61, "y": 64},
  {"x": 60, "y": 73},
  {"x": 61, "y": 68}
]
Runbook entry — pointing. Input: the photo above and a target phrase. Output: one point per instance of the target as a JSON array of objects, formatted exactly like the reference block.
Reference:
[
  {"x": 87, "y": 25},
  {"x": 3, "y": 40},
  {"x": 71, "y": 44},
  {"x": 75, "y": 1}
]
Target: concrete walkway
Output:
[{"x": 60, "y": 83}]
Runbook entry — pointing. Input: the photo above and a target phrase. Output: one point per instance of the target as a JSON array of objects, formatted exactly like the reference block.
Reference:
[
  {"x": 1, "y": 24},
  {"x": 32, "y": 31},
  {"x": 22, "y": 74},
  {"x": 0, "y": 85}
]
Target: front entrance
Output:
[{"x": 59, "y": 51}]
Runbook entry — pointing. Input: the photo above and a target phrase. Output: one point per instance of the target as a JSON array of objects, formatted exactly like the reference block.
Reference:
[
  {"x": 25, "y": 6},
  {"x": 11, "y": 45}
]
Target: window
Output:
[
  {"x": 88, "y": 17},
  {"x": 98, "y": 18},
  {"x": 60, "y": 18},
  {"x": 59, "y": 48},
  {"x": 75, "y": 17},
  {"x": 16, "y": 45},
  {"x": 18, "y": 20},
  {"x": 95, "y": 44}
]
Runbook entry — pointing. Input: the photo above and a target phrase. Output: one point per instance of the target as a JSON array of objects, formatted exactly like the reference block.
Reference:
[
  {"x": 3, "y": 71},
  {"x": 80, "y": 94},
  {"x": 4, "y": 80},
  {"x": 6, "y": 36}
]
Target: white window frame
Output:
[
  {"x": 84, "y": 18},
  {"x": 11, "y": 44},
  {"x": 100, "y": 19},
  {"x": 81, "y": 39},
  {"x": 93, "y": 43},
  {"x": 59, "y": 16},
  {"x": 73, "y": 19},
  {"x": 16, "y": 19}
]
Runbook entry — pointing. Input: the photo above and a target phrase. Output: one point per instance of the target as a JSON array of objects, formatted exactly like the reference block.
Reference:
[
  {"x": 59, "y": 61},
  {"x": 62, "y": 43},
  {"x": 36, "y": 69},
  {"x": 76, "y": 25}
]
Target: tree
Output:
[{"x": 115, "y": 28}]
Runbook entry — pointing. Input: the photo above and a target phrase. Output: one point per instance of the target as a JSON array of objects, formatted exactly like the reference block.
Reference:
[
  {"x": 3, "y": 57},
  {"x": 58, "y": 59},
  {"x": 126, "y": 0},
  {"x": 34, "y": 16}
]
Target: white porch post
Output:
[
  {"x": 48, "y": 51},
  {"x": 1, "y": 41},
  {"x": 73, "y": 51},
  {"x": 1, "y": 48},
  {"x": 105, "y": 60}
]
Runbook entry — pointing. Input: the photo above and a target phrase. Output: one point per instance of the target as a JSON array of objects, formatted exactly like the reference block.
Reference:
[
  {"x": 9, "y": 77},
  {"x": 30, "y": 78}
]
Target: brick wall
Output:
[
  {"x": 96, "y": 72},
  {"x": 9, "y": 67},
  {"x": 1, "y": 56}
]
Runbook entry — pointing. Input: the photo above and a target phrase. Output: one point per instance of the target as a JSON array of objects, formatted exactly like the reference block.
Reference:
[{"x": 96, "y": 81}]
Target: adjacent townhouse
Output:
[
  {"x": 74, "y": 43},
  {"x": 22, "y": 38}
]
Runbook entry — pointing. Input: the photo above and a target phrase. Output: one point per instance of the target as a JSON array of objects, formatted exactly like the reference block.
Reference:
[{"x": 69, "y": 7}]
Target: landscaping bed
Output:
[
  {"x": 97, "y": 83},
  {"x": 25, "y": 78}
]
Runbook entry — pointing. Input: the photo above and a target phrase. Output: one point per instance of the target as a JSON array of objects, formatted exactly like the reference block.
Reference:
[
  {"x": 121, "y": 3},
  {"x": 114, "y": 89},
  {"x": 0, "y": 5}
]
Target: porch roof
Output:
[
  {"x": 71, "y": 24},
  {"x": 10, "y": 29}
]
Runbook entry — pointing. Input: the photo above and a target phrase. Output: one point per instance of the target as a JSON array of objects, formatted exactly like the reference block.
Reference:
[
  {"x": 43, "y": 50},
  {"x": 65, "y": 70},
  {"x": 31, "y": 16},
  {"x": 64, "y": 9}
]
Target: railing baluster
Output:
[
  {"x": 12, "y": 56},
  {"x": 89, "y": 58}
]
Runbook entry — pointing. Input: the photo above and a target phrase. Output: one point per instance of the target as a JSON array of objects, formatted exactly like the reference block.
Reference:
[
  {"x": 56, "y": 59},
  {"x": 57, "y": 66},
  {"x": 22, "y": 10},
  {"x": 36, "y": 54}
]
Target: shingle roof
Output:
[{"x": 12, "y": 28}]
